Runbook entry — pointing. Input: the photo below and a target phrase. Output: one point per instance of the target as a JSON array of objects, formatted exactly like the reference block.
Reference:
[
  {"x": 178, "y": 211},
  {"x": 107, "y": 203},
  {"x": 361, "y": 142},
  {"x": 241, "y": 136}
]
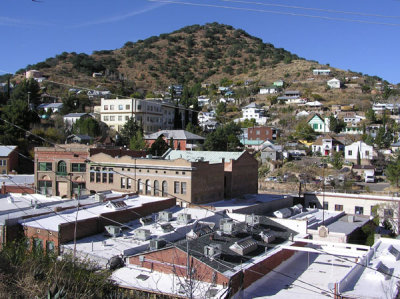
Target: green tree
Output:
[
  {"x": 27, "y": 88},
  {"x": 137, "y": 142},
  {"x": 336, "y": 125},
  {"x": 370, "y": 116},
  {"x": 74, "y": 103},
  {"x": 159, "y": 147},
  {"x": 393, "y": 170},
  {"x": 303, "y": 131},
  {"x": 337, "y": 160},
  {"x": 16, "y": 114},
  {"x": 87, "y": 126},
  {"x": 129, "y": 130},
  {"x": 225, "y": 138},
  {"x": 221, "y": 108}
]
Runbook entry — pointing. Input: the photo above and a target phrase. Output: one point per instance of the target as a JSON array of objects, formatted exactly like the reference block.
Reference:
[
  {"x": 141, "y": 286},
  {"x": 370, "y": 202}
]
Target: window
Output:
[
  {"x": 78, "y": 167},
  {"x": 126, "y": 117},
  {"x": 140, "y": 186},
  {"x": 104, "y": 176},
  {"x": 110, "y": 176},
  {"x": 387, "y": 213},
  {"x": 164, "y": 188},
  {"x": 183, "y": 188},
  {"x": 45, "y": 166},
  {"x": 176, "y": 187},
  {"x": 128, "y": 107},
  {"x": 98, "y": 174},
  {"x": 78, "y": 187},
  {"x": 3, "y": 162},
  {"x": 105, "y": 107},
  {"x": 120, "y": 118},
  {"x": 139, "y": 107},
  {"x": 106, "y": 118},
  {"x": 49, "y": 246},
  {"x": 315, "y": 126},
  {"x": 338, "y": 207},
  {"x": 359, "y": 210},
  {"x": 45, "y": 187},
  {"x": 111, "y": 107},
  {"x": 367, "y": 153},
  {"x": 120, "y": 107},
  {"x": 326, "y": 205},
  {"x": 112, "y": 118},
  {"x": 156, "y": 188},
  {"x": 148, "y": 187},
  {"x": 258, "y": 132},
  {"x": 350, "y": 153},
  {"x": 37, "y": 244},
  {"x": 62, "y": 168},
  {"x": 129, "y": 184},
  {"x": 123, "y": 183}
]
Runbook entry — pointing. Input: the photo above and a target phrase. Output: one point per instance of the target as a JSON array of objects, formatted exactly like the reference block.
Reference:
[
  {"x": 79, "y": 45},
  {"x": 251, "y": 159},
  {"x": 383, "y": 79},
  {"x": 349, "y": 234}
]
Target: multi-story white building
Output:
[
  {"x": 253, "y": 111},
  {"x": 351, "y": 151},
  {"x": 153, "y": 114}
]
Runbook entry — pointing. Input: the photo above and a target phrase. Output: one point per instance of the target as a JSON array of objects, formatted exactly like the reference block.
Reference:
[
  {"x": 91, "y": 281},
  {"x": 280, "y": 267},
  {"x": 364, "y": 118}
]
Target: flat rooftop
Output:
[
  {"x": 17, "y": 179},
  {"x": 133, "y": 277},
  {"x": 52, "y": 221},
  {"x": 101, "y": 247}
]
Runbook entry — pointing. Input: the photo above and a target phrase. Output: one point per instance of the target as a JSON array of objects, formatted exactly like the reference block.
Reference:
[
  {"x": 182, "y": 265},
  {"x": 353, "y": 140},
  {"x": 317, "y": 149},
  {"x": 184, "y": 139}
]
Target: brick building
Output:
[
  {"x": 188, "y": 181},
  {"x": 233, "y": 259},
  {"x": 62, "y": 170},
  {"x": 8, "y": 158},
  {"x": 50, "y": 231},
  {"x": 262, "y": 133}
]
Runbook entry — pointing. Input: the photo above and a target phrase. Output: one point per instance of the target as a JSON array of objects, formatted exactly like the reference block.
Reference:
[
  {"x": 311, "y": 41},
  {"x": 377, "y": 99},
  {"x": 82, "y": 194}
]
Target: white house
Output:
[
  {"x": 314, "y": 104},
  {"x": 55, "y": 107},
  {"x": 351, "y": 151},
  {"x": 203, "y": 100},
  {"x": 333, "y": 83},
  {"x": 226, "y": 100},
  {"x": 302, "y": 113},
  {"x": 269, "y": 90},
  {"x": 71, "y": 118},
  {"x": 254, "y": 111},
  {"x": 319, "y": 124},
  {"x": 297, "y": 101},
  {"x": 327, "y": 145},
  {"x": 324, "y": 72}
]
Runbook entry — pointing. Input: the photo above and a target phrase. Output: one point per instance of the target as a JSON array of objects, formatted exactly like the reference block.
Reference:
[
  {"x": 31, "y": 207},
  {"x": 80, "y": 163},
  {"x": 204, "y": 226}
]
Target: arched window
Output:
[
  {"x": 140, "y": 186},
  {"x": 62, "y": 167},
  {"x": 164, "y": 188},
  {"x": 156, "y": 188},
  {"x": 148, "y": 187}
]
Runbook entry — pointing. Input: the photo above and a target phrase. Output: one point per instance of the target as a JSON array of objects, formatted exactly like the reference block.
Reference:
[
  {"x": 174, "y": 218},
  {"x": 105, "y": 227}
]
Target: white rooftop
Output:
[
  {"x": 52, "y": 221},
  {"x": 17, "y": 179},
  {"x": 5, "y": 150},
  {"x": 138, "y": 278},
  {"x": 100, "y": 248}
]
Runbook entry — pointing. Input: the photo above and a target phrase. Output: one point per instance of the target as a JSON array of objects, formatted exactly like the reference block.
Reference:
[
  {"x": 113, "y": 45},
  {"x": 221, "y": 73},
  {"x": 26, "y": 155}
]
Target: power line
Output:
[
  {"x": 314, "y": 9},
  {"x": 275, "y": 12}
]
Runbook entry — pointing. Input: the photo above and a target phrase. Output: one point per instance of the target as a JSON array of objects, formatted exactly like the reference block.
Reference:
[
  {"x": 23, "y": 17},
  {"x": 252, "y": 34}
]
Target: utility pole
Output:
[{"x": 188, "y": 270}]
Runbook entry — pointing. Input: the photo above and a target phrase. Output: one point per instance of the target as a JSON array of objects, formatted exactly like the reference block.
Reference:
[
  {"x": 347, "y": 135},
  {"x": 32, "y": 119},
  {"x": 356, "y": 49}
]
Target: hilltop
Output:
[{"x": 190, "y": 55}]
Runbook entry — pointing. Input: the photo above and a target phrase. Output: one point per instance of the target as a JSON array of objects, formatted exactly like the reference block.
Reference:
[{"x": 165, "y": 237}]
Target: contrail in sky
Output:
[{"x": 120, "y": 17}]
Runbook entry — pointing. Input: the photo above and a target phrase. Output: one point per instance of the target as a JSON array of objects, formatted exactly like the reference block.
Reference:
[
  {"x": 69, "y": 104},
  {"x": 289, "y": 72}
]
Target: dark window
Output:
[
  {"x": 91, "y": 177},
  {"x": 183, "y": 188},
  {"x": 164, "y": 188},
  {"x": 156, "y": 188},
  {"x": 326, "y": 206},
  {"x": 176, "y": 187},
  {"x": 98, "y": 175},
  {"x": 78, "y": 167},
  {"x": 45, "y": 187},
  {"x": 110, "y": 176},
  {"x": 129, "y": 183},
  {"x": 50, "y": 247},
  {"x": 45, "y": 166},
  {"x": 77, "y": 188},
  {"x": 62, "y": 167},
  {"x": 140, "y": 186},
  {"x": 148, "y": 187},
  {"x": 104, "y": 176},
  {"x": 37, "y": 244},
  {"x": 388, "y": 213},
  {"x": 359, "y": 210},
  {"x": 338, "y": 207},
  {"x": 123, "y": 183}
]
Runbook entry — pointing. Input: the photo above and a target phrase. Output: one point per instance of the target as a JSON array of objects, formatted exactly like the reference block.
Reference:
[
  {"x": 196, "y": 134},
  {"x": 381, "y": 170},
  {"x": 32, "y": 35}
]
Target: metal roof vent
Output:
[
  {"x": 113, "y": 230},
  {"x": 232, "y": 228},
  {"x": 396, "y": 253},
  {"x": 267, "y": 237},
  {"x": 244, "y": 246},
  {"x": 142, "y": 234},
  {"x": 385, "y": 270},
  {"x": 213, "y": 251},
  {"x": 164, "y": 216},
  {"x": 283, "y": 213},
  {"x": 253, "y": 220},
  {"x": 167, "y": 227},
  {"x": 146, "y": 220},
  {"x": 99, "y": 197},
  {"x": 157, "y": 244},
  {"x": 184, "y": 218}
]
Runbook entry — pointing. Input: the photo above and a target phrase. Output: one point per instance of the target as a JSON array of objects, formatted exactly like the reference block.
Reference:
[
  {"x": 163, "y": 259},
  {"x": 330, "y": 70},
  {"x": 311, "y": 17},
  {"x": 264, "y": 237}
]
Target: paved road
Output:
[{"x": 376, "y": 186}]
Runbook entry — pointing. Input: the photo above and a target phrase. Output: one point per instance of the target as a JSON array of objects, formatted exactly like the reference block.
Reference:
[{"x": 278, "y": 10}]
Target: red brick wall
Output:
[
  {"x": 17, "y": 189},
  {"x": 12, "y": 163},
  {"x": 174, "y": 261},
  {"x": 176, "y": 141}
]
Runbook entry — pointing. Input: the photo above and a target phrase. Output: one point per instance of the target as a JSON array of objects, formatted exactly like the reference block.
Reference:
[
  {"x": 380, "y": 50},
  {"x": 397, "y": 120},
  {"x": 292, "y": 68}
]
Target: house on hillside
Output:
[
  {"x": 79, "y": 138},
  {"x": 318, "y": 124},
  {"x": 254, "y": 111},
  {"x": 361, "y": 149},
  {"x": 181, "y": 139},
  {"x": 324, "y": 72},
  {"x": 269, "y": 90},
  {"x": 71, "y": 118},
  {"x": 8, "y": 158},
  {"x": 279, "y": 83},
  {"x": 333, "y": 83},
  {"x": 55, "y": 107},
  {"x": 327, "y": 145}
]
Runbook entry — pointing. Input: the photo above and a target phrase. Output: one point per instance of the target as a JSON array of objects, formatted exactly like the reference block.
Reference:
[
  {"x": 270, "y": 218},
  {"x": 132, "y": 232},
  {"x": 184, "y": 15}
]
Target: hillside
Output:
[{"x": 190, "y": 55}]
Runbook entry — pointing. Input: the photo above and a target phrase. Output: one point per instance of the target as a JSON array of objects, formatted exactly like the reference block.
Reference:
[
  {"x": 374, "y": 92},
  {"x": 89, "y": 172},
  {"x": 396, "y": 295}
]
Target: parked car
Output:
[{"x": 370, "y": 179}]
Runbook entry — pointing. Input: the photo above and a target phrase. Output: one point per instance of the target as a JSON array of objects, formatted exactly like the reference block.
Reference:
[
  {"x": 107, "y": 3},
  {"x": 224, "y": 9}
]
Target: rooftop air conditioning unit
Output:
[
  {"x": 157, "y": 244},
  {"x": 99, "y": 197},
  {"x": 212, "y": 250},
  {"x": 253, "y": 220},
  {"x": 184, "y": 218},
  {"x": 113, "y": 230},
  {"x": 164, "y": 216},
  {"x": 142, "y": 234}
]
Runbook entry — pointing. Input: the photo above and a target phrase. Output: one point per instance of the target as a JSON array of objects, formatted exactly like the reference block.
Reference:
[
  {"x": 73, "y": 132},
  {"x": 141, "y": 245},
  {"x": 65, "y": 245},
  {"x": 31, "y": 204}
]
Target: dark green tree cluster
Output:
[
  {"x": 225, "y": 138},
  {"x": 336, "y": 125},
  {"x": 131, "y": 130},
  {"x": 87, "y": 126},
  {"x": 392, "y": 171}
]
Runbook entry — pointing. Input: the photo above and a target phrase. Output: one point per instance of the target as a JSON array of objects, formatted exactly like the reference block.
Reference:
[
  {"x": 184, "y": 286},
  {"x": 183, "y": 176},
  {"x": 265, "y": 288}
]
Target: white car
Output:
[{"x": 370, "y": 179}]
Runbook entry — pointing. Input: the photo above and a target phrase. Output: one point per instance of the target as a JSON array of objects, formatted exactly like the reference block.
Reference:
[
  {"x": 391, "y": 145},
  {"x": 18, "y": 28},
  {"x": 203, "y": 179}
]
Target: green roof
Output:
[{"x": 194, "y": 156}]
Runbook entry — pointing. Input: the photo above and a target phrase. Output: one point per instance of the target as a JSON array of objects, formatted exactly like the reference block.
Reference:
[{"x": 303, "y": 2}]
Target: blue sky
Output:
[{"x": 360, "y": 35}]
